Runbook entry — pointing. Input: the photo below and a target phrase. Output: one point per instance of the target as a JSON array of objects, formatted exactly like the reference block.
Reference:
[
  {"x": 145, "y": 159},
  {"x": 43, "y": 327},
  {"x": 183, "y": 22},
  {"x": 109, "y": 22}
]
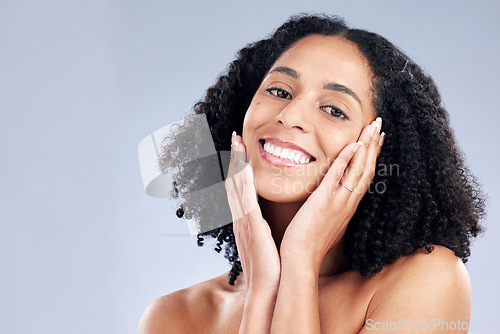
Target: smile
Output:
[{"x": 284, "y": 154}]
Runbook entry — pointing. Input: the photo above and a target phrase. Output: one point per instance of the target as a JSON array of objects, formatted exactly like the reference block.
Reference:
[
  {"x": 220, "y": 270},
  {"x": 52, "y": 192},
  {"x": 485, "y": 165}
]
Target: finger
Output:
[
  {"x": 250, "y": 201},
  {"x": 371, "y": 159},
  {"x": 239, "y": 180},
  {"x": 238, "y": 158},
  {"x": 233, "y": 182},
  {"x": 362, "y": 166},
  {"x": 356, "y": 168},
  {"x": 247, "y": 189},
  {"x": 330, "y": 183},
  {"x": 244, "y": 194}
]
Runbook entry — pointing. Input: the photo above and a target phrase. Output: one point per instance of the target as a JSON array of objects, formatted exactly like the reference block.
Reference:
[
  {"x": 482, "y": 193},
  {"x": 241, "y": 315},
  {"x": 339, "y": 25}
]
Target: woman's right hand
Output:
[{"x": 256, "y": 247}]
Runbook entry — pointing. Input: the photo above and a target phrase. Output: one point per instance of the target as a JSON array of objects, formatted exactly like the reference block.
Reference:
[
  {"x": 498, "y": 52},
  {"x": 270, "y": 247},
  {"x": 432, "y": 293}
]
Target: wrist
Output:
[
  {"x": 260, "y": 301},
  {"x": 301, "y": 260},
  {"x": 260, "y": 292},
  {"x": 302, "y": 269},
  {"x": 258, "y": 311},
  {"x": 262, "y": 286}
]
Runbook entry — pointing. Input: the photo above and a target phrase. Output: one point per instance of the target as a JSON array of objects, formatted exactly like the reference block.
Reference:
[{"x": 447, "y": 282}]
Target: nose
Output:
[{"x": 295, "y": 115}]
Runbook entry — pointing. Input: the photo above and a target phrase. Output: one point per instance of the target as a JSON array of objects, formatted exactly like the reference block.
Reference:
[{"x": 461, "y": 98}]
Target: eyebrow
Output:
[
  {"x": 341, "y": 88},
  {"x": 286, "y": 70},
  {"x": 330, "y": 86}
]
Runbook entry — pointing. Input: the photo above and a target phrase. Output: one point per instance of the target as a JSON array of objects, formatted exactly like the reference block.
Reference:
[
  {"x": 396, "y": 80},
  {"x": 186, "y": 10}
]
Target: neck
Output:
[{"x": 279, "y": 216}]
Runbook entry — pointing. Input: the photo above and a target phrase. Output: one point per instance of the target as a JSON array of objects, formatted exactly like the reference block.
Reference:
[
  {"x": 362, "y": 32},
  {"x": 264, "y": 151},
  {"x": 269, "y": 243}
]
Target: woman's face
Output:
[{"x": 313, "y": 102}]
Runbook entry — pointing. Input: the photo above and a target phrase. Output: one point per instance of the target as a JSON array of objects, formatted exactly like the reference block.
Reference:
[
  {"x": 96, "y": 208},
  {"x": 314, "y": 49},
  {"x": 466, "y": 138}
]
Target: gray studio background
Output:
[{"x": 83, "y": 249}]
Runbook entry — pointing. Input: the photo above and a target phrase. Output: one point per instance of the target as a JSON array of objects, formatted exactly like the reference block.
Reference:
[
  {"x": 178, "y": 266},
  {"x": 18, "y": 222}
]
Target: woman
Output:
[{"x": 352, "y": 230}]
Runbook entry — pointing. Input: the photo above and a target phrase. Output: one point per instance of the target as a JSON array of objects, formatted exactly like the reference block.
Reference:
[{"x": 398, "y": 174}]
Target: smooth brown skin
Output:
[{"x": 415, "y": 288}]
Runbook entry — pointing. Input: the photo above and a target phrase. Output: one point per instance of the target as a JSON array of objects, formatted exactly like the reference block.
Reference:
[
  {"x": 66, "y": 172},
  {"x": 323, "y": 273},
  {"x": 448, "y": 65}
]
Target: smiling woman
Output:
[
  {"x": 298, "y": 109},
  {"x": 313, "y": 249}
]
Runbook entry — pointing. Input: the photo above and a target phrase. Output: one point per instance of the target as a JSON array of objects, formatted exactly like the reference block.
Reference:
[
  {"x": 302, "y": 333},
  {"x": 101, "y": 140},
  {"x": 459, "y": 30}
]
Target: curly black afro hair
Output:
[{"x": 432, "y": 198}]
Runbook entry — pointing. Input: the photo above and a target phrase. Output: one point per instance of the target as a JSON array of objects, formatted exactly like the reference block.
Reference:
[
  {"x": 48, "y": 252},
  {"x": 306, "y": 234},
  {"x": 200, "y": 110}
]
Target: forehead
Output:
[
  {"x": 328, "y": 51},
  {"x": 320, "y": 59}
]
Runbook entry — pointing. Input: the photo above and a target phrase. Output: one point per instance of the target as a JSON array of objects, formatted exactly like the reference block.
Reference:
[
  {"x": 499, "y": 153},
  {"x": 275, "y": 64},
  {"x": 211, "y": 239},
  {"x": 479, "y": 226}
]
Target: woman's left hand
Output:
[{"x": 322, "y": 220}]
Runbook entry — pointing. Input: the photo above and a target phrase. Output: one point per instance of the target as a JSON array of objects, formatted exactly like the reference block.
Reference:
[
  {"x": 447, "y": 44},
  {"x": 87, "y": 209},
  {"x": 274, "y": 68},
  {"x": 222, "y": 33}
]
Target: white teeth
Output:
[
  {"x": 269, "y": 148},
  {"x": 277, "y": 151},
  {"x": 285, "y": 153}
]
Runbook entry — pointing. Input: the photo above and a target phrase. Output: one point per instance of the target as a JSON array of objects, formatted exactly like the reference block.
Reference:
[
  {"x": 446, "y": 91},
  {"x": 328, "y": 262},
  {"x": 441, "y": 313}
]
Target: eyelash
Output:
[{"x": 270, "y": 90}]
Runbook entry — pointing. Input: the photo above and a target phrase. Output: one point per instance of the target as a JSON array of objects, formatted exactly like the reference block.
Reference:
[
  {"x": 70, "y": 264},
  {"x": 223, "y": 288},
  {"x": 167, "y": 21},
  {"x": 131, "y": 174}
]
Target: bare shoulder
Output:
[
  {"x": 167, "y": 314},
  {"x": 435, "y": 270},
  {"x": 423, "y": 287},
  {"x": 181, "y": 311}
]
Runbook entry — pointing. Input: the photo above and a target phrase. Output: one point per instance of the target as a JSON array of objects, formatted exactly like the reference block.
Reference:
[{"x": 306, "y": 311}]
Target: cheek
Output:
[
  {"x": 247, "y": 126},
  {"x": 336, "y": 140},
  {"x": 254, "y": 118}
]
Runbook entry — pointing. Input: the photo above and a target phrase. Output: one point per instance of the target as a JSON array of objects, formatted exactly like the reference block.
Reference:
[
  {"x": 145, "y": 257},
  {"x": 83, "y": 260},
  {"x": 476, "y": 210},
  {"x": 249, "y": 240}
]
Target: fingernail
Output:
[
  {"x": 233, "y": 138},
  {"x": 379, "y": 124},
  {"x": 357, "y": 146},
  {"x": 381, "y": 140},
  {"x": 373, "y": 127},
  {"x": 235, "y": 144}
]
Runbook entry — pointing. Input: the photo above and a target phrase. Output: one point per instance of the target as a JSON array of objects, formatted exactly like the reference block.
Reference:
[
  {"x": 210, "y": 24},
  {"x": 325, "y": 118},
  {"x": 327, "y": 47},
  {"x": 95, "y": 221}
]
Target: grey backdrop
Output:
[{"x": 82, "y": 248}]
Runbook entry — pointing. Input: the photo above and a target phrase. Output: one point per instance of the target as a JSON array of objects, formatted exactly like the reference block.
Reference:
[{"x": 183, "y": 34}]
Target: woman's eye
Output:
[
  {"x": 280, "y": 93},
  {"x": 334, "y": 111}
]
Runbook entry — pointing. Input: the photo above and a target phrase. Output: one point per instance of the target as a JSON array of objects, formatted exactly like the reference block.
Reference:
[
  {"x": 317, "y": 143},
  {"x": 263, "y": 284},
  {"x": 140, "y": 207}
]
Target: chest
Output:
[{"x": 342, "y": 305}]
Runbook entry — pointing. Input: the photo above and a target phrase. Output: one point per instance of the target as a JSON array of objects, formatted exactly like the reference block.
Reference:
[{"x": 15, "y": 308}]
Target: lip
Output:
[{"x": 278, "y": 161}]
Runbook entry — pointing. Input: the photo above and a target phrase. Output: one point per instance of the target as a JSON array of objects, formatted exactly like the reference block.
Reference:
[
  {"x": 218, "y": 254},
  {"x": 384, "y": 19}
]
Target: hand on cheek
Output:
[
  {"x": 256, "y": 248},
  {"x": 326, "y": 213}
]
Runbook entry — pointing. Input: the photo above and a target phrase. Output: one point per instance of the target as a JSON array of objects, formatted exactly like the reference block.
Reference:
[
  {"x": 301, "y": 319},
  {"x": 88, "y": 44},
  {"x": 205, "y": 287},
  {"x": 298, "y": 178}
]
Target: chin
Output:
[{"x": 284, "y": 191}]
